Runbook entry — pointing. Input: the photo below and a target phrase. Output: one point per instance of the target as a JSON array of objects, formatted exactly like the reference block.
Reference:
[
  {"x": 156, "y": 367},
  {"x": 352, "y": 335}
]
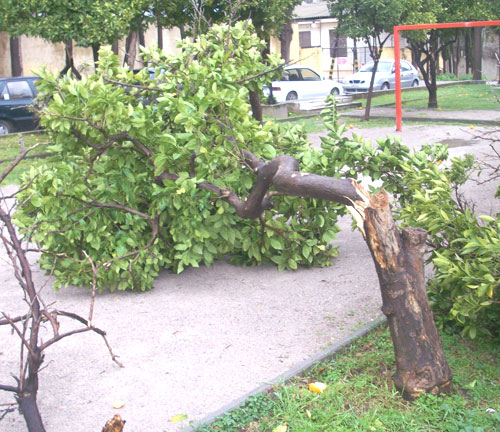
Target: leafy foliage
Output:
[
  {"x": 465, "y": 248},
  {"x": 132, "y": 153},
  {"x": 87, "y": 22}
]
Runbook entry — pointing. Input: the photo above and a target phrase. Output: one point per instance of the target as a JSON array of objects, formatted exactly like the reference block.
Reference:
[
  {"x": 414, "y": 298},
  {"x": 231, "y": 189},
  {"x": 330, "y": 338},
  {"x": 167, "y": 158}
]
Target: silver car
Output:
[{"x": 384, "y": 77}]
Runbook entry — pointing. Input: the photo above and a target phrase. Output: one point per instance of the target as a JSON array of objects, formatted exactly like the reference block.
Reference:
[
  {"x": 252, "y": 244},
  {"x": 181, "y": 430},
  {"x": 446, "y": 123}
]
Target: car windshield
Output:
[{"x": 382, "y": 67}]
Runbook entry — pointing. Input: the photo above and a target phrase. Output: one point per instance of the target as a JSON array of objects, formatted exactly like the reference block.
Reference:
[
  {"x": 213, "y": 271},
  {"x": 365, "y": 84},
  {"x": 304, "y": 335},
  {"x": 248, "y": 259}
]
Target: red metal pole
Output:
[{"x": 397, "y": 66}]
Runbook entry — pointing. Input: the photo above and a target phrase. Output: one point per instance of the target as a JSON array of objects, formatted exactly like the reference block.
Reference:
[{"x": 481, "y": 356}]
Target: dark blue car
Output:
[{"x": 16, "y": 96}]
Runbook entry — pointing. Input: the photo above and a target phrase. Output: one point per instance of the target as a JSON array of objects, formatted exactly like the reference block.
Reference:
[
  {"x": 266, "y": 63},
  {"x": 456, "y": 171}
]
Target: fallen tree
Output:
[{"x": 171, "y": 171}]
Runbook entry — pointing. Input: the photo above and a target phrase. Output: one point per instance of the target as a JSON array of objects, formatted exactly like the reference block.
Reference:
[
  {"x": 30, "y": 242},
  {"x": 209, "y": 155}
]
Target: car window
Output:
[
  {"x": 367, "y": 68},
  {"x": 405, "y": 66},
  {"x": 384, "y": 67},
  {"x": 17, "y": 90},
  {"x": 291, "y": 75},
  {"x": 309, "y": 75}
]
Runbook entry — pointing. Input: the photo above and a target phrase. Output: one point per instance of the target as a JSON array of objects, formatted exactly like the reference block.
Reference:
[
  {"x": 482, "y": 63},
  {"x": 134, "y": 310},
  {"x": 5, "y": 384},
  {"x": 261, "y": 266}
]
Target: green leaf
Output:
[
  {"x": 269, "y": 151},
  {"x": 275, "y": 243}
]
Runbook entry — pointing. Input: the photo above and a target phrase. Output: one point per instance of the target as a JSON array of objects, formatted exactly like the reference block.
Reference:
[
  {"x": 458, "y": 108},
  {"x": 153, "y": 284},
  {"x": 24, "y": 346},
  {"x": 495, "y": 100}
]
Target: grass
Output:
[
  {"x": 10, "y": 147},
  {"x": 315, "y": 124},
  {"x": 360, "y": 396},
  {"x": 451, "y": 98}
]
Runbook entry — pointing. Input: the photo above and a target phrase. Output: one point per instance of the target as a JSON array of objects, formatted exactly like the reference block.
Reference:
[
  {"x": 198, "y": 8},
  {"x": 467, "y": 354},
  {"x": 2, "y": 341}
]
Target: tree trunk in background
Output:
[
  {"x": 285, "y": 41},
  {"x": 456, "y": 56},
  {"x": 256, "y": 106},
  {"x": 432, "y": 87},
  {"x": 376, "y": 58},
  {"x": 160, "y": 36},
  {"x": 467, "y": 51},
  {"x": 114, "y": 47},
  {"x": 95, "y": 54},
  {"x": 131, "y": 49},
  {"x": 355, "y": 60},
  {"x": 70, "y": 65},
  {"x": 16, "y": 57},
  {"x": 477, "y": 53},
  {"x": 142, "y": 40}
]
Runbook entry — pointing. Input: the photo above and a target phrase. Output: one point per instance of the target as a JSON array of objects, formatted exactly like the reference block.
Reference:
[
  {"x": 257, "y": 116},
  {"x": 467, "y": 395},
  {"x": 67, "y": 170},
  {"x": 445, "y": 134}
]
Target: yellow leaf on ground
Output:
[
  {"x": 178, "y": 418},
  {"x": 281, "y": 428},
  {"x": 317, "y": 387},
  {"x": 118, "y": 404}
]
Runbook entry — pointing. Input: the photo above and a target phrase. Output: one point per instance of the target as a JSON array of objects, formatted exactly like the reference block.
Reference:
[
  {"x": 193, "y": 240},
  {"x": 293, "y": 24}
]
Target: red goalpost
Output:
[{"x": 397, "y": 54}]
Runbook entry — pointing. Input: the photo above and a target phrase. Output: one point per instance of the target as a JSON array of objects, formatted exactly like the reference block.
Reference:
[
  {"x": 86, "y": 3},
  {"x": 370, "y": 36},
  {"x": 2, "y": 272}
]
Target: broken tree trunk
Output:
[{"x": 398, "y": 257}]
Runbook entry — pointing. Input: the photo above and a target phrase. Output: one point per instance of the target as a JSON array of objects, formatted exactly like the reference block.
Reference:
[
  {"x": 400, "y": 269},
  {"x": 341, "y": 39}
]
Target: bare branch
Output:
[{"x": 16, "y": 161}]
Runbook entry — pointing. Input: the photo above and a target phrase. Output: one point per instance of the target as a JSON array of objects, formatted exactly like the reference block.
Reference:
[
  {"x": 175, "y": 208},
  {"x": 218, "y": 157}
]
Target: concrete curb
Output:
[{"x": 327, "y": 353}]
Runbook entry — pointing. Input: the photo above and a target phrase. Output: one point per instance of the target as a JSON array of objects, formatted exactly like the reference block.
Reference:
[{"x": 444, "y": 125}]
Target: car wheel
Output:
[
  {"x": 414, "y": 83},
  {"x": 291, "y": 96},
  {"x": 385, "y": 86},
  {"x": 335, "y": 91},
  {"x": 5, "y": 127}
]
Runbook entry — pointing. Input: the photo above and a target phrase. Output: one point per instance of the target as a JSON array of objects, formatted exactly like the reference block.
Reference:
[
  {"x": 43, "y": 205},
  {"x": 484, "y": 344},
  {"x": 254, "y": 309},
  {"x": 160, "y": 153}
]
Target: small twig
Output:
[
  {"x": 137, "y": 86},
  {"x": 94, "y": 287}
]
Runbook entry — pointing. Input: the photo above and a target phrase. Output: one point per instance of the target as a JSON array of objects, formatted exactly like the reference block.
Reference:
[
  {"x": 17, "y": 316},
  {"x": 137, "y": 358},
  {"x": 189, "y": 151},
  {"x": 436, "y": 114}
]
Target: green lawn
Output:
[
  {"x": 456, "y": 98},
  {"x": 360, "y": 397},
  {"x": 10, "y": 147}
]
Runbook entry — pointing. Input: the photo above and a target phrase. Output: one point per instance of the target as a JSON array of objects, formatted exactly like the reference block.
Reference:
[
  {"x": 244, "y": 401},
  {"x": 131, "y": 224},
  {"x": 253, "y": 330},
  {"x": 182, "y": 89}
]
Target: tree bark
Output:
[
  {"x": 29, "y": 408},
  {"x": 477, "y": 53},
  {"x": 420, "y": 361},
  {"x": 467, "y": 51},
  {"x": 95, "y": 54},
  {"x": 285, "y": 41},
  {"x": 131, "y": 49},
  {"x": 366, "y": 115},
  {"x": 256, "y": 106},
  {"x": 16, "y": 57},
  {"x": 70, "y": 65},
  {"x": 432, "y": 87},
  {"x": 114, "y": 47},
  {"x": 160, "y": 36}
]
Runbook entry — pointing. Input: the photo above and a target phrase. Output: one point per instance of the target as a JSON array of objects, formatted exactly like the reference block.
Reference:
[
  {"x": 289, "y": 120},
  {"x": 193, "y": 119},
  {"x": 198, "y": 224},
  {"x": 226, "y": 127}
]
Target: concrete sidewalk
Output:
[{"x": 485, "y": 117}]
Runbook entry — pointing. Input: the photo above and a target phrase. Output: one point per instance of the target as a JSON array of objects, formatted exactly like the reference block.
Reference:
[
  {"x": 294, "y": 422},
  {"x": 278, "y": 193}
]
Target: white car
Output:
[
  {"x": 385, "y": 77},
  {"x": 300, "y": 82}
]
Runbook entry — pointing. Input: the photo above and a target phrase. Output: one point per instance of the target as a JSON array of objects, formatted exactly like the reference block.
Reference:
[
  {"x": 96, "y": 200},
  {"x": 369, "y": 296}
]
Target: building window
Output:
[
  {"x": 305, "y": 39},
  {"x": 338, "y": 45}
]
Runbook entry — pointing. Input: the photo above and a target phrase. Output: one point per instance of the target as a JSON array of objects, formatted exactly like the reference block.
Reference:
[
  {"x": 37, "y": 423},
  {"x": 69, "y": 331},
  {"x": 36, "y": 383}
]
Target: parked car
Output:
[
  {"x": 384, "y": 77},
  {"x": 16, "y": 95},
  {"x": 300, "y": 82}
]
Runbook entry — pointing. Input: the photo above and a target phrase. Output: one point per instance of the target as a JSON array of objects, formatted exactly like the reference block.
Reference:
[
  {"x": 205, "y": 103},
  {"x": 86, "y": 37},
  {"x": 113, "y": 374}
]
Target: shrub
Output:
[
  {"x": 463, "y": 247},
  {"x": 448, "y": 76}
]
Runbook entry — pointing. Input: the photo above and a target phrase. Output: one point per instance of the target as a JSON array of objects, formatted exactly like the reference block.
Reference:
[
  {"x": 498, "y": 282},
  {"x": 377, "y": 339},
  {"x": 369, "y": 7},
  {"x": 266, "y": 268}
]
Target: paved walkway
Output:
[{"x": 427, "y": 114}]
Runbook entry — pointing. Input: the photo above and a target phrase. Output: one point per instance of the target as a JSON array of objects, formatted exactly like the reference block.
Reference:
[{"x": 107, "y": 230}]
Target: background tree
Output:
[
  {"x": 373, "y": 23},
  {"x": 427, "y": 46},
  {"x": 88, "y": 23}
]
